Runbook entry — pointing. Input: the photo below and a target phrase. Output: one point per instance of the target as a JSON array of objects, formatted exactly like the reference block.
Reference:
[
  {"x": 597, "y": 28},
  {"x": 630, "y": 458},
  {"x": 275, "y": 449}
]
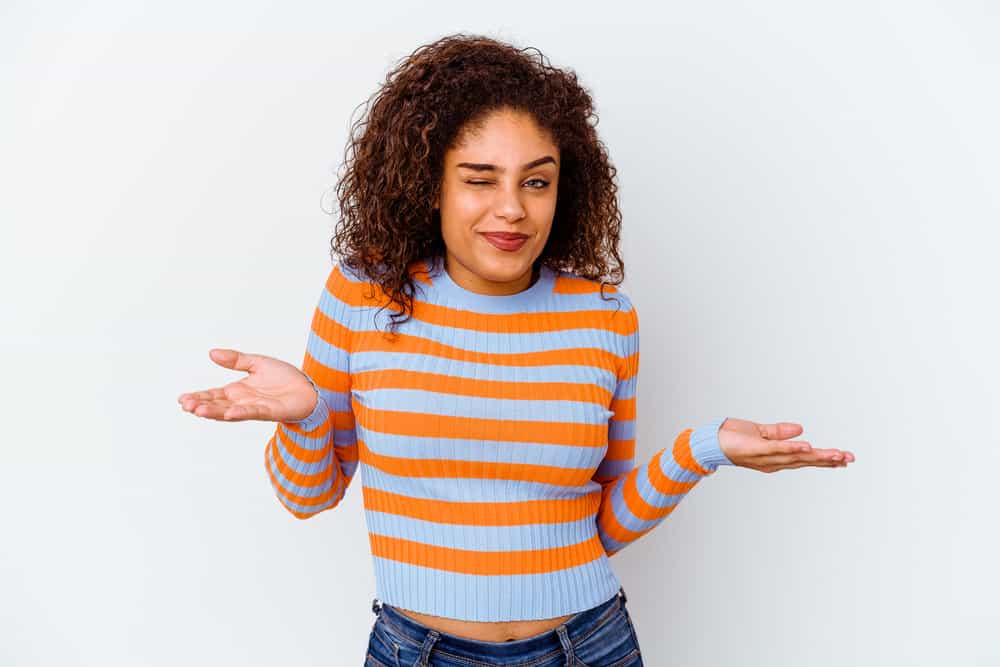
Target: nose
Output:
[{"x": 508, "y": 204}]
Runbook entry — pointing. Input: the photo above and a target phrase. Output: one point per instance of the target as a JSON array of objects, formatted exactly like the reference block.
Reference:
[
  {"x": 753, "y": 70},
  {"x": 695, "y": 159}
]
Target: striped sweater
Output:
[{"x": 495, "y": 437}]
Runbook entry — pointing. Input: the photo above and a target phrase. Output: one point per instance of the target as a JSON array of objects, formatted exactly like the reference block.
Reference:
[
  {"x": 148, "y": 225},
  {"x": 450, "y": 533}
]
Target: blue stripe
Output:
[
  {"x": 434, "y": 403},
  {"x": 295, "y": 489},
  {"x": 498, "y": 451},
  {"x": 649, "y": 494},
  {"x": 615, "y": 467},
  {"x": 494, "y": 597},
  {"x": 469, "y": 489},
  {"x": 458, "y": 368},
  {"x": 621, "y": 430}
]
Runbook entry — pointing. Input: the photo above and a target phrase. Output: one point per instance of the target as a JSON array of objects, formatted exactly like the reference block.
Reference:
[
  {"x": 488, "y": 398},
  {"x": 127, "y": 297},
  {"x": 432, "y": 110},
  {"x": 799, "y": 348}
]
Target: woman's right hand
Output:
[{"x": 273, "y": 391}]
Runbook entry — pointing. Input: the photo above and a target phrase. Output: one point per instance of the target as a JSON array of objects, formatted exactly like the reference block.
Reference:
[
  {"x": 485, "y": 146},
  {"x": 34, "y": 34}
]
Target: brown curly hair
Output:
[{"x": 394, "y": 160}]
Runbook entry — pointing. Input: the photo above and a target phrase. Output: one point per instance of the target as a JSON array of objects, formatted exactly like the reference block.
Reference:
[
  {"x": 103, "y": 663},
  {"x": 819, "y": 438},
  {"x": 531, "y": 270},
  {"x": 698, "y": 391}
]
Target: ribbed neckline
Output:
[{"x": 455, "y": 293}]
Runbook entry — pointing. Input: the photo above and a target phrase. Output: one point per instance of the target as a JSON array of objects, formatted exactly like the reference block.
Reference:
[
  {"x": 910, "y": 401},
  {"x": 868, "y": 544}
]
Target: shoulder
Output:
[
  {"x": 588, "y": 292},
  {"x": 349, "y": 284}
]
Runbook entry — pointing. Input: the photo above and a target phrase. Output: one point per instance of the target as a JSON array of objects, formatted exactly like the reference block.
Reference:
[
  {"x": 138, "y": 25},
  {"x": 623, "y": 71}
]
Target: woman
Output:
[{"x": 467, "y": 351}]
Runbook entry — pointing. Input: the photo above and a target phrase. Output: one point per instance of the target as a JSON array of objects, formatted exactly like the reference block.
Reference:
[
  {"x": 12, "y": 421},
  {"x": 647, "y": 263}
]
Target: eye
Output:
[{"x": 541, "y": 183}]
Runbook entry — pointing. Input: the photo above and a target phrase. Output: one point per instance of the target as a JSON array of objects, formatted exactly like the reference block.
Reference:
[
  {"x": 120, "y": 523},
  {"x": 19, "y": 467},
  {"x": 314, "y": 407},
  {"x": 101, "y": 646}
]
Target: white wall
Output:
[{"x": 811, "y": 210}]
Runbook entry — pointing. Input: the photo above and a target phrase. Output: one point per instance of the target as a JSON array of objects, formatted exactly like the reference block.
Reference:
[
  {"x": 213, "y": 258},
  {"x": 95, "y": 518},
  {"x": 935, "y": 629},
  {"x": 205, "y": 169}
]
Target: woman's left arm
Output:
[{"x": 635, "y": 499}]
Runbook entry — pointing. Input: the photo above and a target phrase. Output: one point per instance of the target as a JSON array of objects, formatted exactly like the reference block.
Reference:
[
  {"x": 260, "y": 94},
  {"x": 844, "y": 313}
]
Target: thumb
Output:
[
  {"x": 233, "y": 359},
  {"x": 781, "y": 430}
]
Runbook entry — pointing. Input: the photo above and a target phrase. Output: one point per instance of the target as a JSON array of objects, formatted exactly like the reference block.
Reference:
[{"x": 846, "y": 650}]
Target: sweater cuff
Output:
[
  {"x": 705, "y": 447},
  {"x": 319, "y": 414}
]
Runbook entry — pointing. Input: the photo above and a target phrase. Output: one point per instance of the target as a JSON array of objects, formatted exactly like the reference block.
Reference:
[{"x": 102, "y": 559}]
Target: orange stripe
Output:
[
  {"x": 579, "y": 285},
  {"x": 480, "y": 388},
  {"x": 301, "y": 453},
  {"x": 636, "y": 504},
  {"x": 664, "y": 484},
  {"x": 491, "y": 513},
  {"x": 327, "y": 377},
  {"x": 610, "y": 525},
  {"x": 304, "y": 479},
  {"x": 683, "y": 456},
  {"x": 624, "y": 409},
  {"x": 620, "y": 450},
  {"x": 333, "y": 332},
  {"x": 423, "y": 424},
  {"x": 375, "y": 341},
  {"x": 466, "y": 561},
  {"x": 300, "y": 500},
  {"x": 419, "y": 270},
  {"x": 451, "y": 468},
  {"x": 533, "y": 322}
]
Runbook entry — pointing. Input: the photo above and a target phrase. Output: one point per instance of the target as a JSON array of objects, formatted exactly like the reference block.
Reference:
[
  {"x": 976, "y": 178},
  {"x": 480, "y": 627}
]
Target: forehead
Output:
[{"x": 502, "y": 137}]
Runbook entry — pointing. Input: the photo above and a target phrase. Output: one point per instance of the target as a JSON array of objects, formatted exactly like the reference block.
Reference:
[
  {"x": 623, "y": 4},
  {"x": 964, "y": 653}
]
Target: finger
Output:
[
  {"x": 209, "y": 409},
  {"x": 788, "y": 453},
  {"x": 213, "y": 394},
  {"x": 785, "y": 460},
  {"x": 816, "y": 464},
  {"x": 234, "y": 359},
  {"x": 765, "y": 449},
  {"x": 779, "y": 430},
  {"x": 832, "y": 454},
  {"x": 226, "y": 411},
  {"x": 192, "y": 401},
  {"x": 237, "y": 413}
]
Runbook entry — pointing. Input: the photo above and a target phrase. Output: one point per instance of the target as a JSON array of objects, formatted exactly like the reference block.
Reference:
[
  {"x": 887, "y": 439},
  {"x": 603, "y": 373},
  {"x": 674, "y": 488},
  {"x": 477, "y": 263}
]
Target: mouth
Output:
[{"x": 505, "y": 240}]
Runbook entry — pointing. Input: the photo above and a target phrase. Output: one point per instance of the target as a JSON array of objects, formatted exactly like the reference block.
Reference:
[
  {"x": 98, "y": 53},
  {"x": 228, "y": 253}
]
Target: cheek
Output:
[
  {"x": 462, "y": 210},
  {"x": 544, "y": 209}
]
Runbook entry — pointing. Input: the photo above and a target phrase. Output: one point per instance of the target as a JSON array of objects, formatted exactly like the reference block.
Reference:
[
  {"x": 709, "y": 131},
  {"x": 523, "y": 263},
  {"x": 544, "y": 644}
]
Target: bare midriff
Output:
[{"x": 486, "y": 631}]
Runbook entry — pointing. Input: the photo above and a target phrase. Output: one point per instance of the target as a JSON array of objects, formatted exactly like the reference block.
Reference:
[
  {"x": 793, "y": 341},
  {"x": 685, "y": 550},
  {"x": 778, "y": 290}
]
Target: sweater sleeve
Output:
[
  {"x": 311, "y": 461},
  {"x": 636, "y": 498}
]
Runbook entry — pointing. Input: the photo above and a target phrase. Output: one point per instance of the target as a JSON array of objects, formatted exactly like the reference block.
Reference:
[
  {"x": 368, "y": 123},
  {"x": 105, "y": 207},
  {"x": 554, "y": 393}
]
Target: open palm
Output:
[
  {"x": 767, "y": 447},
  {"x": 273, "y": 391}
]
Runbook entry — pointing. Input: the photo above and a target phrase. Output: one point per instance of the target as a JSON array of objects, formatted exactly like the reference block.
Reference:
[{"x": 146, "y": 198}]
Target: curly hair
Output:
[{"x": 394, "y": 159}]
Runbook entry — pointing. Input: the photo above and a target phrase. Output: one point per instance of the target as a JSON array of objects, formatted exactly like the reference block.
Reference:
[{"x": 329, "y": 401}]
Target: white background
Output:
[{"x": 810, "y": 234}]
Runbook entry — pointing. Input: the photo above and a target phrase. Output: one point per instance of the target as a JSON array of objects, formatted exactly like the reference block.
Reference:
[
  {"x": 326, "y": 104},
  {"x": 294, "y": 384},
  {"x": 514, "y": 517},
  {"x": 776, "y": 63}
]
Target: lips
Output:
[{"x": 505, "y": 240}]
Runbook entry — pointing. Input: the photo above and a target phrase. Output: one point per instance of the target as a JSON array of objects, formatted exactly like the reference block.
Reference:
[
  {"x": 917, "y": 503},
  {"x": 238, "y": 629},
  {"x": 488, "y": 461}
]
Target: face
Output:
[{"x": 499, "y": 181}]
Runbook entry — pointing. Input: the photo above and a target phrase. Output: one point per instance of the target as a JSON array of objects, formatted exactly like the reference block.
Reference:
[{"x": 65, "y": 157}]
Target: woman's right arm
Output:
[{"x": 311, "y": 461}]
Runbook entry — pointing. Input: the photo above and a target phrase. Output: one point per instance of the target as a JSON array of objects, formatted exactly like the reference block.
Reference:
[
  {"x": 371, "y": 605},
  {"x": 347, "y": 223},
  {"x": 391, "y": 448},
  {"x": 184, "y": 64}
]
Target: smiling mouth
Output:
[
  {"x": 504, "y": 240},
  {"x": 506, "y": 235}
]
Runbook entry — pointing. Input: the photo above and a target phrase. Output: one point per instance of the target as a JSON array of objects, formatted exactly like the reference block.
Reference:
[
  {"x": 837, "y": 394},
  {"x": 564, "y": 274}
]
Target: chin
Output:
[{"x": 503, "y": 269}]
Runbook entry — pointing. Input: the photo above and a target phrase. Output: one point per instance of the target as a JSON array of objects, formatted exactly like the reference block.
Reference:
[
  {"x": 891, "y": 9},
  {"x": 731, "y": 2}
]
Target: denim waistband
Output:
[{"x": 573, "y": 630}]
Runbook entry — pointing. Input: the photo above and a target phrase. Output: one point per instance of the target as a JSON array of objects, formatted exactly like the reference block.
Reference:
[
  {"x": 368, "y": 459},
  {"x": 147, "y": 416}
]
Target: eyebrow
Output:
[{"x": 477, "y": 166}]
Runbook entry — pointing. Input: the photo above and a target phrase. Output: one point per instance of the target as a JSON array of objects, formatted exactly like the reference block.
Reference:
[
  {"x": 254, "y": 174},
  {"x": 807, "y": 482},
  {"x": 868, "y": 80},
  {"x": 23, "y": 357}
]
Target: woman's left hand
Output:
[{"x": 767, "y": 448}]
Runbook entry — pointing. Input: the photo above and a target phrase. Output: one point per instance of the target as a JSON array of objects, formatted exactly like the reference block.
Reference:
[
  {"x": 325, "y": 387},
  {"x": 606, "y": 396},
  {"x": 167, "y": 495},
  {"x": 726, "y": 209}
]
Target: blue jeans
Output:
[{"x": 599, "y": 637}]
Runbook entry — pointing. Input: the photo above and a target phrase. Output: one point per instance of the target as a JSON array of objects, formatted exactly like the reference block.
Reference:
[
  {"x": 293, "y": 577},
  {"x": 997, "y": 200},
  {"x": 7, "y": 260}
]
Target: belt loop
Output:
[
  {"x": 621, "y": 591},
  {"x": 567, "y": 645},
  {"x": 376, "y": 606},
  {"x": 425, "y": 649}
]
